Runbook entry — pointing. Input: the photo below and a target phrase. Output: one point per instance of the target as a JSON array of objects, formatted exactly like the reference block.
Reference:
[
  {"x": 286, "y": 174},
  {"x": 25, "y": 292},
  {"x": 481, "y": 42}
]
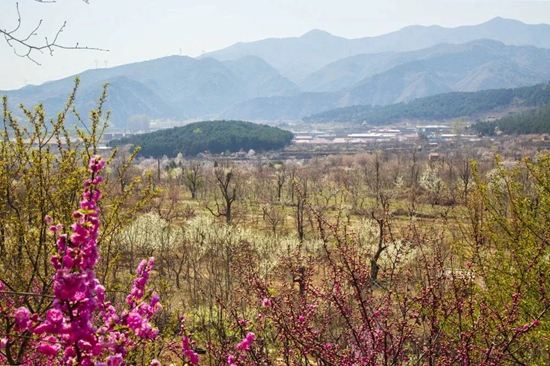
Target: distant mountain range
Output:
[
  {"x": 176, "y": 87},
  {"x": 298, "y": 57},
  {"x": 288, "y": 79},
  {"x": 404, "y": 76}
]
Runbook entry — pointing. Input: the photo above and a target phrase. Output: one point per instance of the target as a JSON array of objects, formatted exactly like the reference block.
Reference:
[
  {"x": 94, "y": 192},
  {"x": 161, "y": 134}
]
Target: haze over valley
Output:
[{"x": 287, "y": 79}]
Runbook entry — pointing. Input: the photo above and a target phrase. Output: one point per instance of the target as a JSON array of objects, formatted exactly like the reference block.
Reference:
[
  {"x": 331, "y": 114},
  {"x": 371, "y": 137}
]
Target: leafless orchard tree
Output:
[
  {"x": 193, "y": 177},
  {"x": 26, "y": 44},
  {"x": 225, "y": 182}
]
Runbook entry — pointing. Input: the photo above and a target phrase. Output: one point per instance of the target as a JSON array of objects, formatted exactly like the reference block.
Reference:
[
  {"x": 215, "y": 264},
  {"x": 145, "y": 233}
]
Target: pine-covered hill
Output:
[
  {"x": 534, "y": 121},
  {"x": 440, "y": 107},
  {"x": 212, "y": 136}
]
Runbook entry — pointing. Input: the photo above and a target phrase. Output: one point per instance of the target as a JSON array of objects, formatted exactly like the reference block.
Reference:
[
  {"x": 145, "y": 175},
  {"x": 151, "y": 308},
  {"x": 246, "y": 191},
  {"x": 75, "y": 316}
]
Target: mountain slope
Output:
[
  {"x": 260, "y": 78},
  {"x": 472, "y": 66},
  {"x": 349, "y": 71},
  {"x": 171, "y": 87},
  {"x": 441, "y": 107},
  {"x": 533, "y": 121},
  {"x": 283, "y": 108}
]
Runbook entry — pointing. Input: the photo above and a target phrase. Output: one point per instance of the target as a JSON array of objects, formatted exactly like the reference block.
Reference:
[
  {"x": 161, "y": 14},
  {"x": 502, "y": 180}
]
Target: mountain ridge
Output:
[
  {"x": 477, "y": 65},
  {"x": 298, "y": 53}
]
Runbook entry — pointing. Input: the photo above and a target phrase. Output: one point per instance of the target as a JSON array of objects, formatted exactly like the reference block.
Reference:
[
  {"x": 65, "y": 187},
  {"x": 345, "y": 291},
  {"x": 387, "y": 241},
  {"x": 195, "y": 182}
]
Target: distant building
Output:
[
  {"x": 303, "y": 138},
  {"x": 364, "y": 135},
  {"x": 433, "y": 129}
]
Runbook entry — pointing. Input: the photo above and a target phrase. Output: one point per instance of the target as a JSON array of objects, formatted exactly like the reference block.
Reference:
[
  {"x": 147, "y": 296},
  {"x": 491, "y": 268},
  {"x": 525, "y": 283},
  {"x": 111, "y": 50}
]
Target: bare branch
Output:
[
  {"x": 18, "y": 19},
  {"x": 26, "y": 41}
]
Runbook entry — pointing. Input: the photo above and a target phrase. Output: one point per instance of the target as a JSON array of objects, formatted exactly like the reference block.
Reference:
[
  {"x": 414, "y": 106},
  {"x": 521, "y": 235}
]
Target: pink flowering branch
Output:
[
  {"x": 81, "y": 328},
  {"x": 186, "y": 351},
  {"x": 242, "y": 348}
]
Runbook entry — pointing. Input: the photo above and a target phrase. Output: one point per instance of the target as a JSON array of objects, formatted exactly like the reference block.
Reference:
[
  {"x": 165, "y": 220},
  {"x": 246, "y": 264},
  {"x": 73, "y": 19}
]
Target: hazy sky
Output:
[{"x": 139, "y": 29}]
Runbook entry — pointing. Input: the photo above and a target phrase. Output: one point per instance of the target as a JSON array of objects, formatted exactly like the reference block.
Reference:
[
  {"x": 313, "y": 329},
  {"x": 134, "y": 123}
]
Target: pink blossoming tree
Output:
[{"x": 81, "y": 328}]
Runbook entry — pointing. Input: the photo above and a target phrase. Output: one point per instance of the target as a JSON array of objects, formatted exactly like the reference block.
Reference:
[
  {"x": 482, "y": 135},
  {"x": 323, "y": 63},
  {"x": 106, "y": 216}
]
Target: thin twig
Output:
[
  {"x": 26, "y": 294},
  {"x": 24, "y": 41}
]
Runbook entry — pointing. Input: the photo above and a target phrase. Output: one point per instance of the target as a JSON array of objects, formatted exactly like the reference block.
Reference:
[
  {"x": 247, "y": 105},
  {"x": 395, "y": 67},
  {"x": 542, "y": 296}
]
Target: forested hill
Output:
[
  {"x": 440, "y": 107},
  {"x": 213, "y": 136},
  {"x": 534, "y": 121}
]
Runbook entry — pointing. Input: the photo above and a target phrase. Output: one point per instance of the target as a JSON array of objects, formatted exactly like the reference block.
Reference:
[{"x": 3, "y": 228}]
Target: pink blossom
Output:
[
  {"x": 266, "y": 302},
  {"x": 68, "y": 262},
  {"x": 134, "y": 321},
  {"x": 188, "y": 351},
  {"x": 246, "y": 342},
  {"x": 54, "y": 316},
  {"x": 192, "y": 356},
  {"x": 49, "y": 346},
  {"x": 22, "y": 316},
  {"x": 96, "y": 163},
  {"x": 115, "y": 360}
]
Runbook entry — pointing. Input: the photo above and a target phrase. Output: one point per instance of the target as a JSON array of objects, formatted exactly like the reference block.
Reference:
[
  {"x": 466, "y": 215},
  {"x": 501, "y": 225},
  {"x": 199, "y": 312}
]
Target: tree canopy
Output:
[
  {"x": 533, "y": 121},
  {"x": 212, "y": 136},
  {"x": 439, "y": 107}
]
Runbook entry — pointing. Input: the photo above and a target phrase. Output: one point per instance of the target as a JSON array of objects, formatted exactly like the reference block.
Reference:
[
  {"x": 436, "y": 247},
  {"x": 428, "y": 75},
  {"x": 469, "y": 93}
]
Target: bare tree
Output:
[
  {"x": 280, "y": 179},
  {"x": 26, "y": 44},
  {"x": 300, "y": 194},
  {"x": 225, "y": 182},
  {"x": 274, "y": 216},
  {"x": 193, "y": 178}
]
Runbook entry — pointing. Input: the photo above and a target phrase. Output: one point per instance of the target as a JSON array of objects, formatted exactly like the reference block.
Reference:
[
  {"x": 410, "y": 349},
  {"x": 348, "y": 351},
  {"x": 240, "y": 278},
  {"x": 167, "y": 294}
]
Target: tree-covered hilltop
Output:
[
  {"x": 534, "y": 121},
  {"x": 439, "y": 107},
  {"x": 213, "y": 136}
]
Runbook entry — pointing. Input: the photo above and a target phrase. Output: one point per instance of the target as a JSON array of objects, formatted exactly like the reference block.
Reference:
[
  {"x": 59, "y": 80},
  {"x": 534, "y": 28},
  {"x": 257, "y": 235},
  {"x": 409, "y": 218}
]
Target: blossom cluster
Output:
[
  {"x": 188, "y": 354},
  {"x": 81, "y": 327},
  {"x": 243, "y": 347}
]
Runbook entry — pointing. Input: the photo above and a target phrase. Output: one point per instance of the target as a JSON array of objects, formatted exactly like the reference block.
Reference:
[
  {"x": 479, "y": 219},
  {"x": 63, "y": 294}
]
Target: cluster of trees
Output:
[
  {"x": 533, "y": 121},
  {"x": 439, "y": 107},
  {"x": 212, "y": 136},
  {"x": 370, "y": 259},
  {"x": 377, "y": 258}
]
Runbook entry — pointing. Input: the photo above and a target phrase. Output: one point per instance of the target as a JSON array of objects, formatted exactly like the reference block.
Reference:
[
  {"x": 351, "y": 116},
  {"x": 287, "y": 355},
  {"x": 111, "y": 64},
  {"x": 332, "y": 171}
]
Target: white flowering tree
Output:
[{"x": 433, "y": 184}]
